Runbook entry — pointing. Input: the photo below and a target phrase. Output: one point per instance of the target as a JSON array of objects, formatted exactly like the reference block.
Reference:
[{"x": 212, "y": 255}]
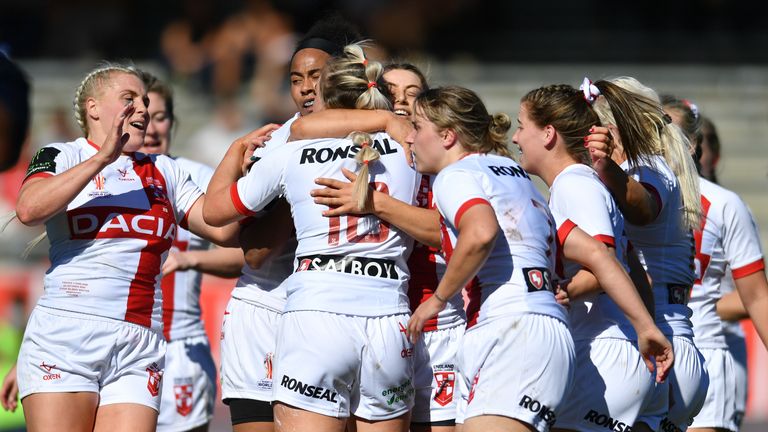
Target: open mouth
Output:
[
  {"x": 309, "y": 103},
  {"x": 402, "y": 112},
  {"x": 140, "y": 125}
]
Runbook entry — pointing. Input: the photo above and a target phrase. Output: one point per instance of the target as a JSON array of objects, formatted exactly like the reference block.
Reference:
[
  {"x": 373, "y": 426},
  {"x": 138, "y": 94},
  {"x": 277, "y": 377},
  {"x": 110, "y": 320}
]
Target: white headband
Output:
[{"x": 591, "y": 92}]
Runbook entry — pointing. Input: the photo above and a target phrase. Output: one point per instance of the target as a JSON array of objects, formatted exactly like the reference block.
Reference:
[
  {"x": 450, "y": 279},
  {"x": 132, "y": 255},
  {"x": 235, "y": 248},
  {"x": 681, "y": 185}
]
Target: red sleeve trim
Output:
[
  {"x": 608, "y": 240},
  {"x": 38, "y": 175},
  {"x": 748, "y": 269},
  {"x": 184, "y": 223},
  {"x": 656, "y": 197},
  {"x": 238, "y": 203},
  {"x": 467, "y": 205},
  {"x": 564, "y": 230}
]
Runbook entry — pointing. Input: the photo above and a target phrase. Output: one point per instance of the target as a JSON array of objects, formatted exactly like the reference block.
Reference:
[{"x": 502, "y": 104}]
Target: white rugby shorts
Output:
[
  {"x": 518, "y": 366},
  {"x": 688, "y": 383},
  {"x": 248, "y": 336},
  {"x": 64, "y": 351},
  {"x": 436, "y": 376},
  {"x": 342, "y": 365},
  {"x": 610, "y": 385},
  {"x": 720, "y": 406},
  {"x": 189, "y": 385}
]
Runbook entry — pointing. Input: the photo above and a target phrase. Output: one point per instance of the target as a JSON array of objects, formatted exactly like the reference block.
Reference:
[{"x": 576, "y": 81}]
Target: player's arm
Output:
[
  {"x": 637, "y": 204},
  {"x": 731, "y": 308},
  {"x": 265, "y": 236},
  {"x": 478, "y": 229},
  {"x": 339, "y": 123},
  {"x": 420, "y": 223},
  {"x": 41, "y": 198},
  {"x": 223, "y": 235},
  {"x": 578, "y": 246},
  {"x": 219, "y": 208},
  {"x": 753, "y": 290},
  {"x": 221, "y": 262},
  {"x": 9, "y": 392}
]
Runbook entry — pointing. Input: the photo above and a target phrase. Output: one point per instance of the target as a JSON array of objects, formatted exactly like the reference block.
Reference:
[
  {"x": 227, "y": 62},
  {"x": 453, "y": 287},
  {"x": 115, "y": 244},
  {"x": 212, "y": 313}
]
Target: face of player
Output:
[
  {"x": 305, "y": 74},
  {"x": 531, "y": 141},
  {"x": 708, "y": 158},
  {"x": 120, "y": 90},
  {"x": 428, "y": 145},
  {"x": 158, "y": 136},
  {"x": 405, "y": 86}
]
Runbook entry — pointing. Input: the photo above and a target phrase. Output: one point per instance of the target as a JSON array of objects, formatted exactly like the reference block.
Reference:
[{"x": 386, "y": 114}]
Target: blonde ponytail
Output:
[
  {"x": 675, "y": 147},
  {"x": 364, "y": 157}
]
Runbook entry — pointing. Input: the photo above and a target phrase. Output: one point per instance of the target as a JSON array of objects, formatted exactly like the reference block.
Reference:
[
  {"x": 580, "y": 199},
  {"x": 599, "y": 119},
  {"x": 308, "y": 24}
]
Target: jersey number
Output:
[{"x": 334, "y": 226}]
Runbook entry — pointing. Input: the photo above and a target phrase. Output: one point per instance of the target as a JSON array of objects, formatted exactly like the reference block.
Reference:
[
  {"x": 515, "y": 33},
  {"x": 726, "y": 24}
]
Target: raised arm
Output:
[
  {"x": 637, "y": 204},
  {"x": 339, "y": 123},
  {"x": 41, "y": 198}
]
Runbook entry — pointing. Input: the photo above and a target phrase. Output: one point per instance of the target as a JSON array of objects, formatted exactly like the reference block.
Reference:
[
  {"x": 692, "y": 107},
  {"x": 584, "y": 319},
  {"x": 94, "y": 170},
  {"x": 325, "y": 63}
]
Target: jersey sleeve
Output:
[
  {"x": 564, "y": 227},
  {"x": 585, "y": 205},
  {"x": 457, "y": 191},
  {"x": 186, "y": 192},
  {"x": 263, "y": 183},
  {"x": 49, "y": 161},
  {"x": 741, "y": 241}
]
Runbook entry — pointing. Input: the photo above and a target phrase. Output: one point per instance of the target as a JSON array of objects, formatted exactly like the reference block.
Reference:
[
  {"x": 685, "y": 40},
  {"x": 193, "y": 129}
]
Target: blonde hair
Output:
[
  {"x": 669, "y": 141},
  {"x": 461, "y": 110},
  {"x": 92, "y": 84},
  {"x": 352, "y": 81}
]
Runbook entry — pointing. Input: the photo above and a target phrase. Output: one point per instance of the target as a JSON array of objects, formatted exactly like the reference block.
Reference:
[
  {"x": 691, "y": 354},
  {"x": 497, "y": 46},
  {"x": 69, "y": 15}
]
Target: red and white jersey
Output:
[
  {"x": 516, "y": 277},
  {"x": 665, "y": 246},
  {"x": 728, "y": 240},
  {"x": 427, "y": 267},
  {"x": 351, "y": 265},
  {"x": 263, "y": 286},
  {"x": 181, "y": 289},
  {"x": 578, "y": 195},
  {"x": 108, "y": 246}
]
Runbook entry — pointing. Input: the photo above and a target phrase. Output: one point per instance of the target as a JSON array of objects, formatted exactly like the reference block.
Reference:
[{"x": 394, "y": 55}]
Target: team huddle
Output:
[{"x": 398, "y": 269}]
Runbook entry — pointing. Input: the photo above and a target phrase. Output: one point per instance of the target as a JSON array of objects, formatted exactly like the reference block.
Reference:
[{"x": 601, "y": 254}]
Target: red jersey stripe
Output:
[
  {"x": 466, "y": 206},
  {"x": 238, "y": 203},
  {"x": 748, "y": 269}
]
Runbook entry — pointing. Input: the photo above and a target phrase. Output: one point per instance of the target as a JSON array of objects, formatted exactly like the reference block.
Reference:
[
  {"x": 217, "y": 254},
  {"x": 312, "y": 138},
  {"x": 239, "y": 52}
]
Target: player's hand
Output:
[
  {"x": 337, "y": 195},
  {"x": 421, "y": 315},
  {"x": 251, "y": 146},
  {"x": 399, "y": 127},
  {"x": 254, "y": 135},
  {"x": 177, "y": 261},
  {"x": 599, "y": 143},
  {"x": 112, "y": 147},
  {"x": 653, "y": 345},
  {"x": 9, "y": 392},
  {"x": 561, "y": 293}
]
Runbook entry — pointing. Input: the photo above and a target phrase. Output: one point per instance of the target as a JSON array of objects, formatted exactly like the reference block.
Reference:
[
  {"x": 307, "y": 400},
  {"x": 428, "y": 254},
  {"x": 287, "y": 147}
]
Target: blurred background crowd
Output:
[{"x": 227, "y": 61}]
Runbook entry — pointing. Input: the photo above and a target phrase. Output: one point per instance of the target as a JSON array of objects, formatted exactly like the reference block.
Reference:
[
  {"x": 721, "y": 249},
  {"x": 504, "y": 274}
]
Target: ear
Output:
[
  {"x": 91, "y": 109},
  {"x": 448, "y": 138},
  {"x": 549, "y": 134}
]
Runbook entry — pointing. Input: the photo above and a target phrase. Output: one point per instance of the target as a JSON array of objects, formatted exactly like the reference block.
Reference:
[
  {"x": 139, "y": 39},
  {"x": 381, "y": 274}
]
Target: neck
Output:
[{"x": 556, "y": 165}]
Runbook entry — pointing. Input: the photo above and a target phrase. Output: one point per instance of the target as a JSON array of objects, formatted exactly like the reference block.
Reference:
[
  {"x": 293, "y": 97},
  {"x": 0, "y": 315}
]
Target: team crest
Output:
[
  {"x": 536, "y": 278},
  {"x": 304, "y": 265},
  {"x": 445, "y": 382},
  {"x": 99, "y": 182},
  {"x": 153, "y": 381},
  {"x": 268, "y": 365},
  {"x": 183, "y": 394}
]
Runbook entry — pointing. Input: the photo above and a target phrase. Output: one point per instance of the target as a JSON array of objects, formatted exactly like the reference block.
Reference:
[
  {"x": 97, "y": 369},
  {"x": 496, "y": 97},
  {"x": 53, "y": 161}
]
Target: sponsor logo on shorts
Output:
[
  {"x": 372, "y": 267},
  {"x": 315, "y": 392},
  {"x": 668, "y": 426},
  {"x": 445, "y": 382},
  {"x": 155, "y": 374},
  {"x": 537, "y": 279},
  {"x": 268, "y": 365},
  {"x": 184, "y": 401},
  {"x": 49, "y": 376},
  {"x": 406, "y": 352},
  {"x": 403, "y": 392},
  {"x": 542, "y": 411},
  {"x": 607, "y": 422}
]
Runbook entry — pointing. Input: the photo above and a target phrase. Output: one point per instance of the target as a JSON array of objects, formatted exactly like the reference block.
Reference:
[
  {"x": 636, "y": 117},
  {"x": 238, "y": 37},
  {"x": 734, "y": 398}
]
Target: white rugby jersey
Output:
[
  {"x": 728, "y": 240},
  {"x": 351, "y": 265},
  {"x": 516, "y": 277},
  {"x": 665, "y": 246},
  {"x": 181, "y": 289},
  {"x": 578, "y": 195},
  {"x": 108, "y": 246},
  {"x": 427, "y": 266},
  {"x": 262, "y": 286}
]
